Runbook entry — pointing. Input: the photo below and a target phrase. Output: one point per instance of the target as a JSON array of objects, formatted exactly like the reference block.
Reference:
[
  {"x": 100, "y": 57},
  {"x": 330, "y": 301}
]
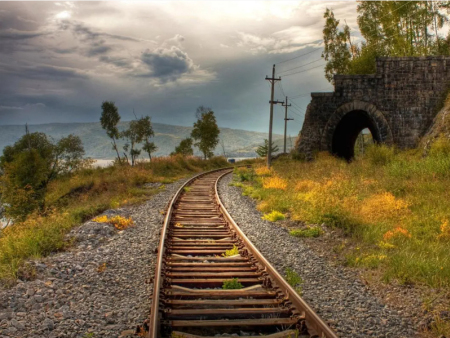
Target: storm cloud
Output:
[
  {"x": 59, "y": 61},
  {"x": 167, "y": 63}
]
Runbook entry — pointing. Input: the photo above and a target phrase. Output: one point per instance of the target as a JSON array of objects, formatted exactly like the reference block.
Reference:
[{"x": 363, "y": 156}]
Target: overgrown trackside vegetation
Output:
[
  {"x": 72, "y": 199},
  {"x": 392, "y": 205}
]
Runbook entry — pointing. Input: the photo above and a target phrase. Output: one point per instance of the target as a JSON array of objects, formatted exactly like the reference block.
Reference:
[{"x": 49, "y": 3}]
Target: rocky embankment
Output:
[{"x": 99, "y": 288}]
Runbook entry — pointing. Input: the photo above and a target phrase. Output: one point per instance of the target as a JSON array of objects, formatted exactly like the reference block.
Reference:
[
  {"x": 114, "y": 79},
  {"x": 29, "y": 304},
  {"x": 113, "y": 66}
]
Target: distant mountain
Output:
[{"x": 97, "y": 144}]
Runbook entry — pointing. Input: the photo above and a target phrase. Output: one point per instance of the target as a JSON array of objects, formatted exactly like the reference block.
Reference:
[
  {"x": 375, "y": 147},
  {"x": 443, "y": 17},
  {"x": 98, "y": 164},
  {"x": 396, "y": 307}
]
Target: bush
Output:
[
  {"x": 380, "y": 154},
  {"x": 314, "y": 231},
  {"x": 440, "y": 147},
  {"x": 273, "y": 216}
]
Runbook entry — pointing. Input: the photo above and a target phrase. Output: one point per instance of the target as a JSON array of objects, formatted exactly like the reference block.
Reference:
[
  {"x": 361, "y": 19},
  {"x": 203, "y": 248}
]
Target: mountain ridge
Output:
[{"x": 237, "y": 142}]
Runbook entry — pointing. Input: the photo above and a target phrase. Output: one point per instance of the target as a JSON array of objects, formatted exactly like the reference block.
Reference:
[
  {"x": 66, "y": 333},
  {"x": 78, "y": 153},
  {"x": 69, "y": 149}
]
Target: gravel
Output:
[
  {"x": 334, "y": 292},
  {"x": 99, "y": 288}
]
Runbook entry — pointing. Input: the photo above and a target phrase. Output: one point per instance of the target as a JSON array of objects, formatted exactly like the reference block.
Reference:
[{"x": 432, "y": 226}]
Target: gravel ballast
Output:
[
  {"x": 334, "y": 292},
  {"x": 99, "y": 288}
]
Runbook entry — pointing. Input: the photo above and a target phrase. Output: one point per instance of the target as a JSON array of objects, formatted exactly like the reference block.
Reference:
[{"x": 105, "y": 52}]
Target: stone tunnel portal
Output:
[{"x": 347, "y": 131}]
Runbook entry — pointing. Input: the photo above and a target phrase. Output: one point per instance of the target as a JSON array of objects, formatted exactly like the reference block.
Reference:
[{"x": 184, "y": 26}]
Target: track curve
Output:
[{"x": 189, "y": 298}]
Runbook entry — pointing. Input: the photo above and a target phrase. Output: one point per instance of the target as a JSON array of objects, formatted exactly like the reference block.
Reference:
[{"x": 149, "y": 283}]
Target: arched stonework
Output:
[{"x": 382, "y": 131}]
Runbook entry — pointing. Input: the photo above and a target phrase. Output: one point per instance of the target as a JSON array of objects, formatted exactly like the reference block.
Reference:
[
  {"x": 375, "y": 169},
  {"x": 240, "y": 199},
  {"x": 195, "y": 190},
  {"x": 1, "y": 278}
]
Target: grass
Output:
[
  {"x": 310, "y": 231},
  {"x": 274, "y": 216},
  {"x": 392, "y": 205},
  {"x": 232, "y": 284},
  {"x": 294, "y": 280},
  {"x": 77, "y": 198}
]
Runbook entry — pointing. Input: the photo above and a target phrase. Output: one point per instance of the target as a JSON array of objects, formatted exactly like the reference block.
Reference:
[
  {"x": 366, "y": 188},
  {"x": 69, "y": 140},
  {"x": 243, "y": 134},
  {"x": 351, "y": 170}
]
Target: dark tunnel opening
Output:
[{"x": 347, "y": 131}]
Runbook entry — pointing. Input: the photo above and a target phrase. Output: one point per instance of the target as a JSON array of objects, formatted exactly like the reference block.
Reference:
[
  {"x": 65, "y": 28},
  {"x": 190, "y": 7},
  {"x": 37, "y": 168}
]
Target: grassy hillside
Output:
[
  {"x": 76, "y": 198},
  {"x": 98, "y": 145}
]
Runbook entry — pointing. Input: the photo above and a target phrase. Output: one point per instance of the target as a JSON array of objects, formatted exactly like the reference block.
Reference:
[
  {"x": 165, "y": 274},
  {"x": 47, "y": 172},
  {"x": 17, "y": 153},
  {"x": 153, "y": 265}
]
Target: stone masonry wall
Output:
[{"x": 405, "y": 93}]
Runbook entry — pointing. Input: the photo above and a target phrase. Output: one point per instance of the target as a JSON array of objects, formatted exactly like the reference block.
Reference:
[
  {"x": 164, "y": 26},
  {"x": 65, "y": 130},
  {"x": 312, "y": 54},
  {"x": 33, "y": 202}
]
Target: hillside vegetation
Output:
[
  {"x": 394, "y": 205},
  {"x": 73, "y": 199}
]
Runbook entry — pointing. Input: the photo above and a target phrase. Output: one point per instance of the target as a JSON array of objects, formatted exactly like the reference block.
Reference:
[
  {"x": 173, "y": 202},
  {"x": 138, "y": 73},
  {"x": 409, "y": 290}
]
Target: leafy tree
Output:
[
  {"x": 149, "y": 148},
  {"x": 109, "y": 120},
  {"x": 184, "y": 148},
  {"x": 133, "y": 136},
  {"x": 335, "y": 51},
  {"x": 31, "y": 164},
  {"x": 138, "y": 131},
  {"x": 263, "y": 150},
  {"x": 205, "y": 132},
  {"x": 147, "y": 131},
  {"x": 390, "y": 28}
]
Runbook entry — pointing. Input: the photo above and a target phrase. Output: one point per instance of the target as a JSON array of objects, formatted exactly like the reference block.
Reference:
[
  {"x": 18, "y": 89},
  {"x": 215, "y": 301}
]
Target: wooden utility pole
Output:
[
  {"x": 272, "y": 81},
  {"x": 286, "y": 105}
]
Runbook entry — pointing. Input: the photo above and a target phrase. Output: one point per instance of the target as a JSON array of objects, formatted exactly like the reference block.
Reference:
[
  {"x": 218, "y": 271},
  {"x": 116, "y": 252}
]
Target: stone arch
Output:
[{"x": 346, "y": 123}]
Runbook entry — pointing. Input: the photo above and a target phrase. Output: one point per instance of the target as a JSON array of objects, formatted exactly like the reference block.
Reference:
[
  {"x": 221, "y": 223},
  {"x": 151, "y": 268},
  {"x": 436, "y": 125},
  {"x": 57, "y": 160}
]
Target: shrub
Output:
[
  {"x": 273, "y": 216},
  {"x": 380, "y": 154},
  {"x": 232, "y": 284},
  {"x": 314, "y": 231}
]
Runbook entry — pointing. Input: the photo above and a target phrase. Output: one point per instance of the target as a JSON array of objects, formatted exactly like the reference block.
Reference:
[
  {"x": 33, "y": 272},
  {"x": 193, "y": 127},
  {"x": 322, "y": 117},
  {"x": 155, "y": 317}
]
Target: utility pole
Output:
[
  {"x": 285, "y": 105},
  {"x": 272, "y": 81}
]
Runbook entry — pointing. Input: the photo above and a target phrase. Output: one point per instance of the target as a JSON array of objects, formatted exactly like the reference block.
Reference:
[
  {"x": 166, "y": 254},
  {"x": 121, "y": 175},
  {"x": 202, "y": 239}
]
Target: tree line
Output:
[
  {"x": 389, "y": 28},
  {"x": 204, "y": 135},
  {"x": 29, "y": 165}
]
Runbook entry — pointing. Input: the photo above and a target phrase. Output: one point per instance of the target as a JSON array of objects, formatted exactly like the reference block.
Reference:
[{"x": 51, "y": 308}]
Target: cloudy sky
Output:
[{"x": 60, "y": 60}]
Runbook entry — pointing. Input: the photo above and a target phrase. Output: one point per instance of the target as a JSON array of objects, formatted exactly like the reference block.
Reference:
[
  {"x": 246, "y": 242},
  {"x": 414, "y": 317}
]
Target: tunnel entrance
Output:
[{"x": 347, "y": 131}]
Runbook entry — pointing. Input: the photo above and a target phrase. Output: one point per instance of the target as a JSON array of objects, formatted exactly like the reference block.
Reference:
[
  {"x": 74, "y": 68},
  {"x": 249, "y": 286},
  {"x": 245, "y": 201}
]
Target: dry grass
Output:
[
  {"x": 74, "y": 199},
  {"x": 393, "y": 206}
]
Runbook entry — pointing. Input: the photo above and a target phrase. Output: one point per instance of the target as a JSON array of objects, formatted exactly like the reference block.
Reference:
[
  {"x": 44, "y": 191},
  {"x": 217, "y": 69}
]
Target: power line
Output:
[
  {"x": 315, "y": 50},
  {"x": 285, "y": 71},
  {"x": 302, "y": 71}
]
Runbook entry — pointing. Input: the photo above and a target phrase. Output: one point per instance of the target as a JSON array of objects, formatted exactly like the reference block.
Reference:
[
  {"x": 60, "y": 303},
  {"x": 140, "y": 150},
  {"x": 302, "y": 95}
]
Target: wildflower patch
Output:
[
  {"x": 274, "y": 183},
  {"x": 119, "y": 222}
]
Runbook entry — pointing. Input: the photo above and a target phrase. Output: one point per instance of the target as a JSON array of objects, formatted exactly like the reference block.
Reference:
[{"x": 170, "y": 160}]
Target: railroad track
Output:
[{"x": 189, "y": 299}]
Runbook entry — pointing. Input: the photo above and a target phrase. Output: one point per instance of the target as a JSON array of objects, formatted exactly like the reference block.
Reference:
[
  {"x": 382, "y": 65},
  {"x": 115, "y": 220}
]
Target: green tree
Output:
[
  {"x": 30, "y": 165},
  {"x": 133, "y": 136},
  {"x": 184, "y": 148},
  {"x": 336, "y": 50},
  {"x": 205, "y": 132},
  {"x": 263, "y": 150},
  {"x": 147, "y": 132},
  {"x": 109, "y": 119},
  {"x": 389, "y": 28},
  {"x": 138, "y": 131}
]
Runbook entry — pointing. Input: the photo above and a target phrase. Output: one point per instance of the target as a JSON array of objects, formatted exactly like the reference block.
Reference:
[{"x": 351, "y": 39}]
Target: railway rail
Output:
[{"x": 188, "y": 296}]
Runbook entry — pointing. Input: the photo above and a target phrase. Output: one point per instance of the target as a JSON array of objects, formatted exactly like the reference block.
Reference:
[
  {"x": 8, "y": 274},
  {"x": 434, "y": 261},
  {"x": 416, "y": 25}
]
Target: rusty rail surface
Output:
[{"x": 188, "y": 298}]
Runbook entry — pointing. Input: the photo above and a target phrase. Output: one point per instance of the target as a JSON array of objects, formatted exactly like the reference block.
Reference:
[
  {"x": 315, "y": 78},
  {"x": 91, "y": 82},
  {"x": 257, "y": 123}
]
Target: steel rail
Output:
[
  {"x": 153, "y": 322},
  {"x": 315, "y": 326},
  {"x": 313, "y": 321}
]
